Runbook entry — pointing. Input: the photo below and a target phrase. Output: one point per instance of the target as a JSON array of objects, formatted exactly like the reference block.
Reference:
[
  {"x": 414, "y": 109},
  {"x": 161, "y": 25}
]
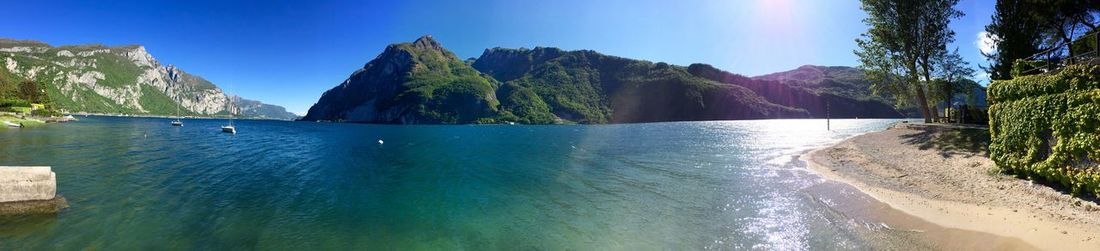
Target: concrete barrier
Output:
[
  {"x": 27, "y": 183},
  {"x": 29, "y": 190}
]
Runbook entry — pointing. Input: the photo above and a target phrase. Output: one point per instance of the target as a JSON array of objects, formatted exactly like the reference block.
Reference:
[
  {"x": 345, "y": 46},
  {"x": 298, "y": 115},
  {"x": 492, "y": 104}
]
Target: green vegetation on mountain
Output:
[
  {"x": 1046, "y": 127},
  {"x": 589, "y": 87},
  {"x": 421, "y": 82},
  {"x": 521, "y": 104},
  {"x": 417, "y": 82},
  {"x": 843, "y": 90},
  {"x": 259, "y": 110},
  {"x": 113, "y": 80}
]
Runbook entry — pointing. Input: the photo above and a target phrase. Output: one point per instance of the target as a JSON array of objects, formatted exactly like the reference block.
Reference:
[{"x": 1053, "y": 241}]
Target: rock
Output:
[
  {"x": 34, "y": 206},
  {"x": 87, "y": 75}
]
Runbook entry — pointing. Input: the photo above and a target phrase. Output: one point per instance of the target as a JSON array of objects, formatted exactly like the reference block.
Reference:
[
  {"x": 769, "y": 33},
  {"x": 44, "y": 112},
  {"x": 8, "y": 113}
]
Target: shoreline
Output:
[
  {"x": 163, "y": 116},
  {"x": 943, "y": 186}
]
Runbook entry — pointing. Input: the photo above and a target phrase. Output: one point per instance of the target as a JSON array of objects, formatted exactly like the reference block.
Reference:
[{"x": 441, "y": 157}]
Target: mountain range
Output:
[
  {"x": 119, "y": 80},
  {"x": 424, "y": 83}
]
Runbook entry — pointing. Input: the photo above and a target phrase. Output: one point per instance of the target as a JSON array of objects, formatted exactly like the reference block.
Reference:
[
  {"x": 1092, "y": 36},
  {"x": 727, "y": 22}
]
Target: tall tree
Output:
[
  {"x": 900, "y": 50},
  {"x": 1023, "y": 28},
  {"x": 952, "y": 77}
]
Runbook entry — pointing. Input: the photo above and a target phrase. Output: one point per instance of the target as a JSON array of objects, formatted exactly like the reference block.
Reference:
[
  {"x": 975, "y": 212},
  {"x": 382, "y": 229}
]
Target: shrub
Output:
[
  {"x": 1048, "y": 127},
  {"x": 14, "y": 103}
]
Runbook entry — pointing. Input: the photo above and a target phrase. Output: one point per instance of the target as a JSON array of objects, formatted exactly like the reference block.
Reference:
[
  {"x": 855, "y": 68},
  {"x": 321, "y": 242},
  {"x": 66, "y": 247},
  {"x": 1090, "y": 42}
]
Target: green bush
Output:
[
  {"x": 1022, "y": 67},
  {"x": 14, "y": 103},
  {"x": 1048, "y": 127},
  {"x": 45, "y": 113}
]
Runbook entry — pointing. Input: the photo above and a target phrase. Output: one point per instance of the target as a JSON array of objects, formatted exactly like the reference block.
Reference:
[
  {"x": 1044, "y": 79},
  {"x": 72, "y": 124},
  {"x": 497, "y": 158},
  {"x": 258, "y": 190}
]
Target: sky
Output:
[{"x": 289, "y": 52}]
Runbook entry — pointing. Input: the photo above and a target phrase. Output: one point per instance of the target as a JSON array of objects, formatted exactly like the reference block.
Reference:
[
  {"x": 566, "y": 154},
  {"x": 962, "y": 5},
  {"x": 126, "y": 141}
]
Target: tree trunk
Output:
[
  {"x": 933, "y": 109},
  {"x": 922, "y": 100},
  {"x": 923, "y": 104}
]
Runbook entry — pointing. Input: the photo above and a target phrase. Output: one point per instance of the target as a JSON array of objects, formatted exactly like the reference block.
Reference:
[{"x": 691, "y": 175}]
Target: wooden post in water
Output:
[{"x": 828, "y": 125}]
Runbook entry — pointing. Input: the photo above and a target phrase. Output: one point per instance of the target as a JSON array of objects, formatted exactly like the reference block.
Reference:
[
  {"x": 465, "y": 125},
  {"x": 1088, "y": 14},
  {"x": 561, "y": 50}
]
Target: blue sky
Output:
[{"x": 289, "y": 52}]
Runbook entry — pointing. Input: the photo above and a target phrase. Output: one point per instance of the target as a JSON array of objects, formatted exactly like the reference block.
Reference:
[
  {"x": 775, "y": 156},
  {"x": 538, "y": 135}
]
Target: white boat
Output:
[
  {"x": 178, "y": 122},
  {"x": 229, "y": 129},
  {"x": 12, "y": 125}
]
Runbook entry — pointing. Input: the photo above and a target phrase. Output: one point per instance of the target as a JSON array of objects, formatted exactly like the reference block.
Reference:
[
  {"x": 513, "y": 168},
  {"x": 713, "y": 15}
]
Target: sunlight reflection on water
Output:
[{"x": 284, "y": 185}]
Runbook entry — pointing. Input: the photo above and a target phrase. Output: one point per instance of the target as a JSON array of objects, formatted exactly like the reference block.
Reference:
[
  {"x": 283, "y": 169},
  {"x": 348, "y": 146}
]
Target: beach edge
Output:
[{"x": 1040, "y": 231}]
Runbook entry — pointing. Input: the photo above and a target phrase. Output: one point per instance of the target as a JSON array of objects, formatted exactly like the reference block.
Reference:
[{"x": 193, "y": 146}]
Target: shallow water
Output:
[{"x": 140, "y": 183}]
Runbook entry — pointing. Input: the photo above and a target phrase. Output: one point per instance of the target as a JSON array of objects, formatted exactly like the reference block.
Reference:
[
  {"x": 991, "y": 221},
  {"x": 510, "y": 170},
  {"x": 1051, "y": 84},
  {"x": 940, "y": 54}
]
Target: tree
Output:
[
  {"x": 30, "y": 91},
  {"x": 1023, "y": 28},
  {"x": 903, "y": 45},
  {"x": 953, "y": 77}
]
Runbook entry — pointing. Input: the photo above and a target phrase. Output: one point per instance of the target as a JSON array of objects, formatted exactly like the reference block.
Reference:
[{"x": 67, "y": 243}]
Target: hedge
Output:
[
  {"x": 1047, "y": 127},
  {"x": 14, "y": 103}
]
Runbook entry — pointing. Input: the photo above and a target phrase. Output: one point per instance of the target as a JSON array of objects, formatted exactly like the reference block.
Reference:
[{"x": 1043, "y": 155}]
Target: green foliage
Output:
[
  {"x": 1023, "y": 28},
  {"x": 443, "y": 88},
  {"x": 1085, "y": 44},
  {"x": 569, "y": 90},
  {"x": 904, "y": 46},
  {"x": 156, "y": 102},
  {"x": 548, "y": 85},
  {"x": 1070, "y": 79},
  {"x": 1046, "y": 127},
  {"x": 14, "y": 103},
  {"x": 117, "y": 70},
  {"x": 1023, "y": 67},
  {"x": 48, "y": 112},
  {"x": 522, "y": 105}
]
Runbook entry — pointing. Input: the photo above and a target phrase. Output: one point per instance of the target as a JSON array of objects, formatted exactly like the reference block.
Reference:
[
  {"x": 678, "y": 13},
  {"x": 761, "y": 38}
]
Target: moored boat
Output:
[{"x": 229, "y": 129}]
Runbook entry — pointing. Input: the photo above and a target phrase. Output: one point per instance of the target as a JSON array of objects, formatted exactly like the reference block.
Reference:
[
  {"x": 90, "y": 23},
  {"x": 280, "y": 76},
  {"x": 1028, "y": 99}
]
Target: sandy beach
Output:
[{"x": 941, "y": 174}]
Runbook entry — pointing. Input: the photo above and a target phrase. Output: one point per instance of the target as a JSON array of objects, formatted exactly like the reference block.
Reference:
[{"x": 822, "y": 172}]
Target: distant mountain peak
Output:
[
  {"x": 418, "y": 82},
  {"x": 427, "y": 42}
]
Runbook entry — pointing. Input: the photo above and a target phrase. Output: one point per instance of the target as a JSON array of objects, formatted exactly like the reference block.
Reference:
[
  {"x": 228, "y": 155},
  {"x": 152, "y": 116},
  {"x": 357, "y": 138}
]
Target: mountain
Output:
[
  {"x": 118, "y": 79},
  {"x": 410, "y": 83},
  {"x": 844, "y": 90},
  {"x": 550, "y": 85},
  {"x": 589, "y": 87},
  {"x": 258, "y": 110}
]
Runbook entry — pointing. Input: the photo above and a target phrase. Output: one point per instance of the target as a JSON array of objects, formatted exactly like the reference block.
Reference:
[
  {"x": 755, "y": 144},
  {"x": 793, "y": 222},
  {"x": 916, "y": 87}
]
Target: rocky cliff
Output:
[{"x": 101, "y": 79}]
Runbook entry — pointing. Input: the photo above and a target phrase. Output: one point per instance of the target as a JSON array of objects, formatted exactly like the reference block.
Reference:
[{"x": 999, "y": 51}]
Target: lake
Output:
[{"x": 140, "y": 183}]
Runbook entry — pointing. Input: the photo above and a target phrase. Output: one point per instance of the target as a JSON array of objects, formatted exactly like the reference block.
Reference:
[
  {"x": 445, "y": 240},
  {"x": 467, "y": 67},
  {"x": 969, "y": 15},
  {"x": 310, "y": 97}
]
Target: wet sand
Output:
[{"x": 938, "y": 183}]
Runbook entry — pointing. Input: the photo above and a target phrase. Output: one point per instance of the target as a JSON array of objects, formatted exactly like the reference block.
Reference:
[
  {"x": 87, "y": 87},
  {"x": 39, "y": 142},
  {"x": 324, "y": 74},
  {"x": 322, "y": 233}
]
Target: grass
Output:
[{"x": 25, "y": 122}]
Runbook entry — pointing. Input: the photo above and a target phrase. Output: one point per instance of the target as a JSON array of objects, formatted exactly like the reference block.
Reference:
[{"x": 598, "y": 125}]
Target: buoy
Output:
[{"x": 380, "y": 142}]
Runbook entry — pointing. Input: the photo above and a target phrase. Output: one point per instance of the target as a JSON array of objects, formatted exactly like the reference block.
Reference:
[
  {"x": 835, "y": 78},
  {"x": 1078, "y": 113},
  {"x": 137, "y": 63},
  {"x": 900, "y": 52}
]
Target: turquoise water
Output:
[{"x": 140, "y": 183}]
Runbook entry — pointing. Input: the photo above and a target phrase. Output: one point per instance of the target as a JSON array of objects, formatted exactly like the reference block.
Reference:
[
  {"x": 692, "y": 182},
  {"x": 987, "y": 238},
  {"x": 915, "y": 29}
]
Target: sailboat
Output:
[
  {"x": 178, "y": 122},
  {"x": 230, "y": 128}
]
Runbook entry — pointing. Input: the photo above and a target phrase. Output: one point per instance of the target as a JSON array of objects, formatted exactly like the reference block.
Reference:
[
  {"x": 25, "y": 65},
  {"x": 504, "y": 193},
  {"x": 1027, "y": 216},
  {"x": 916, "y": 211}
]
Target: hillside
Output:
[
  {"x": 115, "y": 80},
  {"x": 589, "y": 87},
  {"x": 410, "y": 83},
  {"x": 258, "y": 110},
  {"x": 550, "y": 85},
  {"x": 842, "y": 89}
]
